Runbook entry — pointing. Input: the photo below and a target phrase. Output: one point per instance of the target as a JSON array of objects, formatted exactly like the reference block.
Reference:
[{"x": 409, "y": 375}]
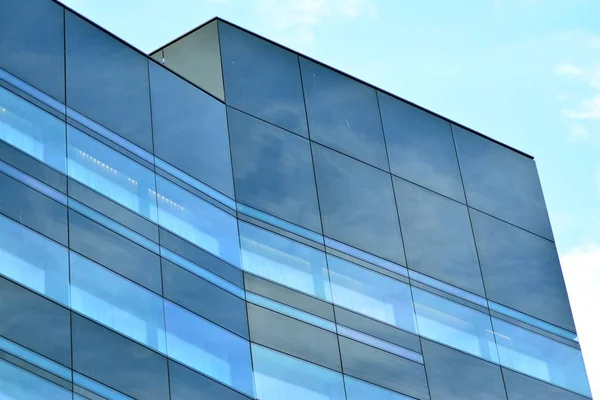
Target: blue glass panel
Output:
[
  {"x": 117, "y": 302},
  {"x": 454, "y": 325},
  {"x": 208, "y": 348},
  {"x": 360, "y": 390},
  {"x": 372, "y": 294},
  {"x": 281, "y": 377},
  {"x": 197, "y": 221},
  {"x": 109, "y": 172},
  {"x": 45, "y": 270},
  {"x": 284, "y": 261},
  {"x": 16, "y": 384},
  {"x": 32, "y": 130},
  {"x": 541, "y": 357}
]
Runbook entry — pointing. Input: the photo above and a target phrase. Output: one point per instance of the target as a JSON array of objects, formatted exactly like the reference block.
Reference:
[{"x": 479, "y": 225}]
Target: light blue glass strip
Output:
[
  {"x": 534, "y": 322},
  {"x": 444, "y": 287},
  {"x": 32, "y": 91},
  {"x": 193, "y": 182},
  {"x": 98, "y": 388},
  {"x": 201, "y": 272},
  {"x": 35, "y": 359},
  {"x": 113, "y": 137},
  {"x": 33, "y": 183},
  {"x": 290, "y": 311},
  {"x": 380, "y": 344},
  {"x": 370, "y": 258},
  {"x": 298, "y": 230},
  {"x": 113, "y": 225}
]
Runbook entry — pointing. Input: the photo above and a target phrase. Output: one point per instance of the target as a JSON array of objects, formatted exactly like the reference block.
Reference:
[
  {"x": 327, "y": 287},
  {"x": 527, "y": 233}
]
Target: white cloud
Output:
[
  {"x": 568, "y": 69},
  {"x": 588, "y": 109},
  {"x": 578, "y": 133}
]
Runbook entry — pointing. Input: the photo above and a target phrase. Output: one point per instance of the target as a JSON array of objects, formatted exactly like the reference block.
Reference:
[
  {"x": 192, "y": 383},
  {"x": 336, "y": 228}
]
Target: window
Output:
[
  {"x": 360, "y": 390},
  {"x": 16, "y": 383}
]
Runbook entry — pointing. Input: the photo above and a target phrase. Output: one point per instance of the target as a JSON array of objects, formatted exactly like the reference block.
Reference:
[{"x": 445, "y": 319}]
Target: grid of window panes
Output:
[{"x": 309, "y": 238}]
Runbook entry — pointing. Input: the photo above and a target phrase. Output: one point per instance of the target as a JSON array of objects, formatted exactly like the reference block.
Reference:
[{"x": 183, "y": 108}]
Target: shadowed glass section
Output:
[
  {"x": 262, "y": 79},
  {"x": 273, "y": 170},
  {"x": 420, "y": 147},
  {"x": 357, "y": 204},
  {"x": 16, "y": 383},
  {"x": 343, "y": 114},
  {"x": 360, "y": 390},
  {"x": 32, "y": 130},
  {"x": 372, "y": 294},
  {"x": 186, "y": 384},
  {"x": 521, "y": 387}
]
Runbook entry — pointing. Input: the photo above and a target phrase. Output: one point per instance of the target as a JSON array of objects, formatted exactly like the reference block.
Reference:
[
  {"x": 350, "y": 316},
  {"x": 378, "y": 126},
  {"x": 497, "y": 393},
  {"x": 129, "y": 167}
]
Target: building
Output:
[{"x": 227, "y": 219}]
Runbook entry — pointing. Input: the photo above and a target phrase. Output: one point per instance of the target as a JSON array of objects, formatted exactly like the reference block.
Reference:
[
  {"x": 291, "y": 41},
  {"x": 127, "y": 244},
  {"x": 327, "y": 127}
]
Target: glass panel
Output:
[
  {"x": 284, "y": 261},
  {"x": 438, "y": 237},
  {"x": 186, "y": 384},
  {"x": 281, "y": 377},
  {"x": 421, "y": 147},
  {"x": 117, "y": 302},
  {"x": 372, "y": 294},
  {"x": 45, "y": 270},
  {"x": 357, "y": 204},
  {"x": 17, "y": 384},
  {"x": 111, "y": 173},
  {"x": 454, "y": 325},
  {"x": 343, "y": 114},
  {"x": 107, "y": 81},
  {"x": 273, "y": 170},
  {"x": 197, "y": 221},
  {"x": 522, "y": 387},
  {"x": 190, "y": 130},
  {"x": 32, "y": 130},
  {"x": 262, "y": 79},
  {"x": 541, "y": 357},
  {"x": 208, "y": 348},
  {"x": 360, "y": 390}
]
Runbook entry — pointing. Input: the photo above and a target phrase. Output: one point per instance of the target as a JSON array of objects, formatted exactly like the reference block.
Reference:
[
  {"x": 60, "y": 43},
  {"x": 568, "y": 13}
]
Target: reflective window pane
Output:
[
  {"x": 454, "y": 325},
  {"x": 284, "y": 261},
  {"x": 361, "y": 390},
  {"x": 190, "y": 130},
  {"x": 372, "y": 294},
  {"x": 281, "y": 377},
  {"x": 111, "y": 173},
  {"x": 357, "y": 204},
  {"x": 186, "y": 384},
  {"x": 208, "y": 348},
  {"x": 32, "y": 130},
  {"x": 17, "y": 384},
  {"x": 522, "y": 387},
  {"x": 117, "y": 302},
  {"x": 420, "y": 147},
  {"x": 262, "y": 79},
  {"x": 273, "y": 170},
  {"x": 541, "y": 357},
  {"x": 197, "y": 221},
  {"x": 45, "y": 270}
]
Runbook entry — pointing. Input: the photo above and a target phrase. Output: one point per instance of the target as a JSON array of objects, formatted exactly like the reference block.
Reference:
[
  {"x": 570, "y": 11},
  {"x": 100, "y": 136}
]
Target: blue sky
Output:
[{"x": 525, "y": 72}]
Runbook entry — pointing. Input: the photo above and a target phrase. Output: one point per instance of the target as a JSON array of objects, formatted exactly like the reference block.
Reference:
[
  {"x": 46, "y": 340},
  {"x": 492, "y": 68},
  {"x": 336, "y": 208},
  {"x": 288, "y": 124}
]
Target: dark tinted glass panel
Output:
[
  {"x": 32, "y": 44},
  {"x": 361, "y": 390},
  {"x": 293, "y": 337},
  {"x": 118, "y": 362},
  {"x": 521, "y": 270},
  {"x": 262, "y": 79},
  {"x": 437, "y": 236},
  {"x": 357, "y": 204},
  {"x": 16, "y": 384},
  {"x": 187, "y": 384},
  {"x": 34, "y": 322},
  {"x": 502, "y": 182},
  {"x": 420, "y": 147},
  {"x": 273, "y": 170},
  {"x": 521, "y": 387},
  {"x": 114, "y": 251},
  {"x": 343, "y": 114},
  {"x": 453, "y": 375},
  {"x": 204, "y": 298},
  {"x": 190, "y": 129},
  {"x": 107, "y": 81}
]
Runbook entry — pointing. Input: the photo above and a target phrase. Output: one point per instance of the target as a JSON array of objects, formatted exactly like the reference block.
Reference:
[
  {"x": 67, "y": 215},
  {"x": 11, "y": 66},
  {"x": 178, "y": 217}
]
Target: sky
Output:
[{"x": 524, "y": 72}]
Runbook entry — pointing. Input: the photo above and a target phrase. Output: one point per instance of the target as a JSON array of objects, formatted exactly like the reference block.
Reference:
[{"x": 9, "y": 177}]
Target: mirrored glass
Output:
[
  {"x": 454, "y": 325},
  {"x": 541, "y": 357},
  {"x": 197, "y": 221},
  {"x": 361, "y": 390},
  {"x": 343, "y": 114},
  {"x": 45, "y": 270},
  {"x": 372, "y": 294},
  {"x": 284, "y": 261},
  {"x": 281, "y": 377},
  {"x": 208, "y": 348},
  {"x": 522, "y": 387},
  {"x": 16, "y": 384},
  {"x": 32, "y": 130},
  {"x": 357, "y": 204}
]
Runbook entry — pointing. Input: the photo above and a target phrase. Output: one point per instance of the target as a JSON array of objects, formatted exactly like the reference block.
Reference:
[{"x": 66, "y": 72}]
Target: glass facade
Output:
[{"x": 227, "y": 219}]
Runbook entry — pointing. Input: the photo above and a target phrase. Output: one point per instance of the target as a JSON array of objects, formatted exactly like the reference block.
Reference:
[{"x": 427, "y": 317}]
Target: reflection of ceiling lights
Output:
[
  {"x": 166, "y": 200},
  {"x": 2, "y": 109},
  {"x": 104, "y": 166}
]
